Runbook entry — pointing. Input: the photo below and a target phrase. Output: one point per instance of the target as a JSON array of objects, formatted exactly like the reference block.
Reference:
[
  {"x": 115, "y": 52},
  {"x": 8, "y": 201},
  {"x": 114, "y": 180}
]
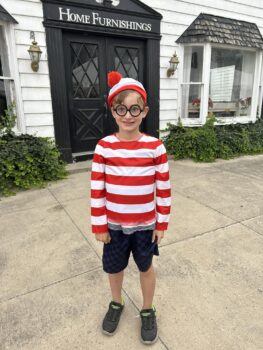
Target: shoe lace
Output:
[
  {"x": 148, "y": 321},
  {"x": 113, "y": 313}
]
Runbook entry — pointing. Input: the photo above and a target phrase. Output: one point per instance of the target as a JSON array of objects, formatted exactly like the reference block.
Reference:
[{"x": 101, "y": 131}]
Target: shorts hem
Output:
[{"x": 113, "y": 272}]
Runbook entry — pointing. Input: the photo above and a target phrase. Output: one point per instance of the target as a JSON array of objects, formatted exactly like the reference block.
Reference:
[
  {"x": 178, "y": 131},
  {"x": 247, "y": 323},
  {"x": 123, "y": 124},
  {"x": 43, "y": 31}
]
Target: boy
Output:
[{"x": 127, "y": 168}]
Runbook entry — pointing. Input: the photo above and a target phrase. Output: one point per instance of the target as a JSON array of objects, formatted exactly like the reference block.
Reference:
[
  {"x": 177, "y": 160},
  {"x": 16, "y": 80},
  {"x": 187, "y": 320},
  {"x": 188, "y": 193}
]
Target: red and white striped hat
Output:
[{"x": 117, "y": 84}]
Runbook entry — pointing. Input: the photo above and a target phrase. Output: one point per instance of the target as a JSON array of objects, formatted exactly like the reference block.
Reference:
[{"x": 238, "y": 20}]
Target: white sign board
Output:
[{"x": 221, "y": 83}]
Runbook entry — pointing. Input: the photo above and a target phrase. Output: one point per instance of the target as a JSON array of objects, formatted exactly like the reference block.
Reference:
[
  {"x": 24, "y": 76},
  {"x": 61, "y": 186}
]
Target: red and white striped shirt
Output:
[{"x": 130, "y": 186}]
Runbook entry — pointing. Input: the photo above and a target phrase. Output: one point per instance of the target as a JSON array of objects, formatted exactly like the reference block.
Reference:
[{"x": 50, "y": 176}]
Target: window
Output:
[
  {"x": 6, "y": 81},
  {"x": 222, "y": 81},
  {"x": 231, "y": 82},
  {"x": 192, "y": 81}
]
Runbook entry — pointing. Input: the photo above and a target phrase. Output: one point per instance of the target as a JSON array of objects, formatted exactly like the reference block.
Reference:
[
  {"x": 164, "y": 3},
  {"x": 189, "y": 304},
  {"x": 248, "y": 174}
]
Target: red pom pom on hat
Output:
[{"x": 113, "y": 78}]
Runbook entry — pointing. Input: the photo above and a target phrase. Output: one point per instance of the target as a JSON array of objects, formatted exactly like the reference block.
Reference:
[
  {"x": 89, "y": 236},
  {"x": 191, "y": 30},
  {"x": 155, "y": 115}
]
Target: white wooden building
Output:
[{"x": 190, "y": 93}]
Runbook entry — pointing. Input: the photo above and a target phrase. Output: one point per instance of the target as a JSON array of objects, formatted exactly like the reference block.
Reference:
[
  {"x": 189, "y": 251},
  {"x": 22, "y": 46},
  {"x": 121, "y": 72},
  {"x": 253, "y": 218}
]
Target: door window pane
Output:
[
  {"x": 231, "y": 82},
  {"x": 127, "y": 62},
  {"x": 85, "y": 67}
]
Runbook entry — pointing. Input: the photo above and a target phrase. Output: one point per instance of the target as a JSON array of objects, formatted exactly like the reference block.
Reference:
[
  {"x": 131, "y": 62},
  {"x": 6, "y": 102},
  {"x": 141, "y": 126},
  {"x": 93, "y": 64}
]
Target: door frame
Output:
[{"x": 56, "y": 61}]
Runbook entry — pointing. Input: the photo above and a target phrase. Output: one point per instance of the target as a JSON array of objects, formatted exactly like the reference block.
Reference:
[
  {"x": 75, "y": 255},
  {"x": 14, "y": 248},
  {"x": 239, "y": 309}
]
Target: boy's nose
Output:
[{"x": 128, "y": 115}]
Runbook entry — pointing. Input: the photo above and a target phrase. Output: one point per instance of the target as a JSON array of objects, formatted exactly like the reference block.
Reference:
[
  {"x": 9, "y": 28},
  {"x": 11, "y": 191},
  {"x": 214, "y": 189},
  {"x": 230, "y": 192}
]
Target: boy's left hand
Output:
[{"x": 158, "y": 235}]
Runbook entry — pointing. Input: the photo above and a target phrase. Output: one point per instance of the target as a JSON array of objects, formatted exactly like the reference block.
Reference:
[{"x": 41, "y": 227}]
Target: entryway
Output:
[{"x": 88, "y": 59}]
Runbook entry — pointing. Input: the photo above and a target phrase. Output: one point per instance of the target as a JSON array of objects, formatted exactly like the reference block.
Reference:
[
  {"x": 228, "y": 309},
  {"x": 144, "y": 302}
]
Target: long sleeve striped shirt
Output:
[{"x": 130, "y": 186}]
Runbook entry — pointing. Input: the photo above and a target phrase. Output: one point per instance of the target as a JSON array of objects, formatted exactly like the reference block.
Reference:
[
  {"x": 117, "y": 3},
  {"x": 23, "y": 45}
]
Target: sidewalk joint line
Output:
[
  {"x": 243, "y": 175},
  {"x": 51, "y": 284},
  {"x": 136, "y": 307},
  {"x": 216, "y": 210},
  {"x": 211, "y": 231},
  {"x": 205, "y": 205},
  {"x": 77, "y": 227},
  {"x": 198, "y": 235},
  {"x": 252, "y": 229}
]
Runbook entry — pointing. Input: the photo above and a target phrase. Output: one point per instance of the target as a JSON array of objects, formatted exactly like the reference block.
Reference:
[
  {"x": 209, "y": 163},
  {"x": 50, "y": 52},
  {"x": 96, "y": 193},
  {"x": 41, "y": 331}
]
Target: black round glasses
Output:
[{"x": 121, "y": 110}]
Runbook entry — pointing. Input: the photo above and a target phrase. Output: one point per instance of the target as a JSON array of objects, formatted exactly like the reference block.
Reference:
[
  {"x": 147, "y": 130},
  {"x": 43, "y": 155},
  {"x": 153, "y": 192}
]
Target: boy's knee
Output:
[{"x": 147, "y": 271}]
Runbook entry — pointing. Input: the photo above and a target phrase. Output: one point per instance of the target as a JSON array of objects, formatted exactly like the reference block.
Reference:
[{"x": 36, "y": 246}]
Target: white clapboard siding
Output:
[
  {"x": 30, "y": 23},
  {"x": 39, "y": 119},
  {"x": 29, "y": 94},
  {"x": 173, "y": 28},
  {"x": 168, "y": 17},
  {"x": 168, "y": 104},
  {"x": 34, "y": 80},
  {"x": 42, "y": 131},
  {"x": 23, "y": 37},
  {"x": 168, "y": 114},
  {"x": 164, "y": 61},
  {"x": 22, "y": 52},
  {"x": 25, "y": 67},
  {"x": 35, "y": 86},
  {"x": 37, "y": 107},
  {"x": 168, "y": 40},
  {"x": 26, "y": 8},
  {"x": 191, "y": 7},
  {"x": 168, "y": 94},
  {"x": 169, "y": 83}
]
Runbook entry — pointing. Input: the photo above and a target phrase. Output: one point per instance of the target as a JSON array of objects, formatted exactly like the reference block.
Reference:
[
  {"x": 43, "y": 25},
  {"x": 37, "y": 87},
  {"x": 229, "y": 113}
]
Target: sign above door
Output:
[
  {"x": 136, "y": 18},
  {"x": 99, "y": 19}
]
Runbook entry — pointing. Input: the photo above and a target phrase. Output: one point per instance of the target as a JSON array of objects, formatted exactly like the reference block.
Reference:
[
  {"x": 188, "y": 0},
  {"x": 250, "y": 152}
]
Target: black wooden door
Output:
[
  {"x": 87, "y": 61},
  {"x": 127, "y": 57}
]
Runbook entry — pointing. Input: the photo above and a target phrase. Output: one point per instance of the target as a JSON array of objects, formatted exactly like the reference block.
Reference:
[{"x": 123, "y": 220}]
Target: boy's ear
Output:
[
  {"x": 145, "y": 111},
  {"x": 112, "y": 111}
]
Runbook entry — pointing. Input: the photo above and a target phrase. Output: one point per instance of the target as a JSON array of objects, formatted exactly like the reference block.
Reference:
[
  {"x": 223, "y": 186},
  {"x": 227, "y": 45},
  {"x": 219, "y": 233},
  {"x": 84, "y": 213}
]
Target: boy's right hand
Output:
[{"x": 103, "y": 237}]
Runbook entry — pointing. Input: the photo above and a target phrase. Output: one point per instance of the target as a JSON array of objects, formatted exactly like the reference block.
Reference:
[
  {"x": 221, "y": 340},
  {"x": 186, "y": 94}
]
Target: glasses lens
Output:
[
  {"x": 135, "y": 110},
  {"x": 121, "y": 110}
]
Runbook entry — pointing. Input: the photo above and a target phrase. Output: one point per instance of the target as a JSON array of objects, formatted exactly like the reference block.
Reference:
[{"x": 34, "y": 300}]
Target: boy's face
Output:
[{"x": 129, "y": 123}]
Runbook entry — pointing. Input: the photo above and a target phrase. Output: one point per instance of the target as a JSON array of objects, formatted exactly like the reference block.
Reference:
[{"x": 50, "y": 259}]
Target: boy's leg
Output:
[
  {"x": 147, "y": 280},
  {"x": 115, "y": 259},
  {"x": 116, "y": 280},
  {"x": 143, "y": 251},
  {"x": 149, "y": 331},
  {"x": 112, "y": 317}
]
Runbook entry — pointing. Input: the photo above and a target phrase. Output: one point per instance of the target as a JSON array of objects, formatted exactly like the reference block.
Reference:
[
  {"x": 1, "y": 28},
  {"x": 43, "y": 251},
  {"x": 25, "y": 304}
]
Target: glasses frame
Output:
[{"x": 128, "y": 110}]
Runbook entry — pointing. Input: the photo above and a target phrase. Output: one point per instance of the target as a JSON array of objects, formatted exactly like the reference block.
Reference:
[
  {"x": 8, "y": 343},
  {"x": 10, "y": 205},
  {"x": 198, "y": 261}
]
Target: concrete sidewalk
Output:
[{"x": 209, "y": 295}]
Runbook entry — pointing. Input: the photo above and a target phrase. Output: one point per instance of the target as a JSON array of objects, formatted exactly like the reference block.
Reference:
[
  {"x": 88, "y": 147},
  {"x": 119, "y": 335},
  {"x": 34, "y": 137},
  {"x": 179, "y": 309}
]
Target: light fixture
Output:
[
  {"x": 35, "y": 53},
  {"x": 107, "y": 3},
  {"x": 174, "y": 61}
]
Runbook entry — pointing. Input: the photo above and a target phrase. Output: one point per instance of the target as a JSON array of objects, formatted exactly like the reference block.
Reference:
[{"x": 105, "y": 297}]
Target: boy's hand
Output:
[
  {"x": 103, "y": 237},
  {"x": 157, "y": 235}
]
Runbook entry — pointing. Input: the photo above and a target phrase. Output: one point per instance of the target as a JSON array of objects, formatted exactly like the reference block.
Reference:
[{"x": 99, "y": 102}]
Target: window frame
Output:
[
  {"x": 9, "y": 37},
  {"x": 257, "y": 89}
]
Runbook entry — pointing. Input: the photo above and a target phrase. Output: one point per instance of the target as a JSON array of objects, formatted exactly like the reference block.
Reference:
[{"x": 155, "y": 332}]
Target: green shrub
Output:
[
  {"x": 212, "y": 141},
  {"x": 8, "y": 120},
  {"x": 27, "y": 161}
]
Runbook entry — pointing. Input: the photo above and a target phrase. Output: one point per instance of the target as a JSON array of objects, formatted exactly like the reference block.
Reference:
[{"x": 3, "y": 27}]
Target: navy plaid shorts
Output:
[{"x": 116, "y": 253}]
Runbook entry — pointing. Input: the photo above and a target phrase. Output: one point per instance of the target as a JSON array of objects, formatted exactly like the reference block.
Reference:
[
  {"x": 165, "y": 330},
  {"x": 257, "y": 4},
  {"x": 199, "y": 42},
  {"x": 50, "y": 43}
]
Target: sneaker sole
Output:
[
  {"x": 108, "y": 333},
  {"x": 150, "y": 342}
]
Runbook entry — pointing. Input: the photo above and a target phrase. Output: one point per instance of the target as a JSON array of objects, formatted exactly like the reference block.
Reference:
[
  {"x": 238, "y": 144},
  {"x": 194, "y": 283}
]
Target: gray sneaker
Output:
[
  {"x": 149, "y": 333},
  {"x": 112, "y": 317}
]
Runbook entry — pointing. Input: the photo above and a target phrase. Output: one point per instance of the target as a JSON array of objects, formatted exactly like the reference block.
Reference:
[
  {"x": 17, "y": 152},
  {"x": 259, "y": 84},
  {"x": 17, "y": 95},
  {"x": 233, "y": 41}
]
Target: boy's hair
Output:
[
  {"x": 120, "y": 97},
  {"x": 118, "y": 84}
]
